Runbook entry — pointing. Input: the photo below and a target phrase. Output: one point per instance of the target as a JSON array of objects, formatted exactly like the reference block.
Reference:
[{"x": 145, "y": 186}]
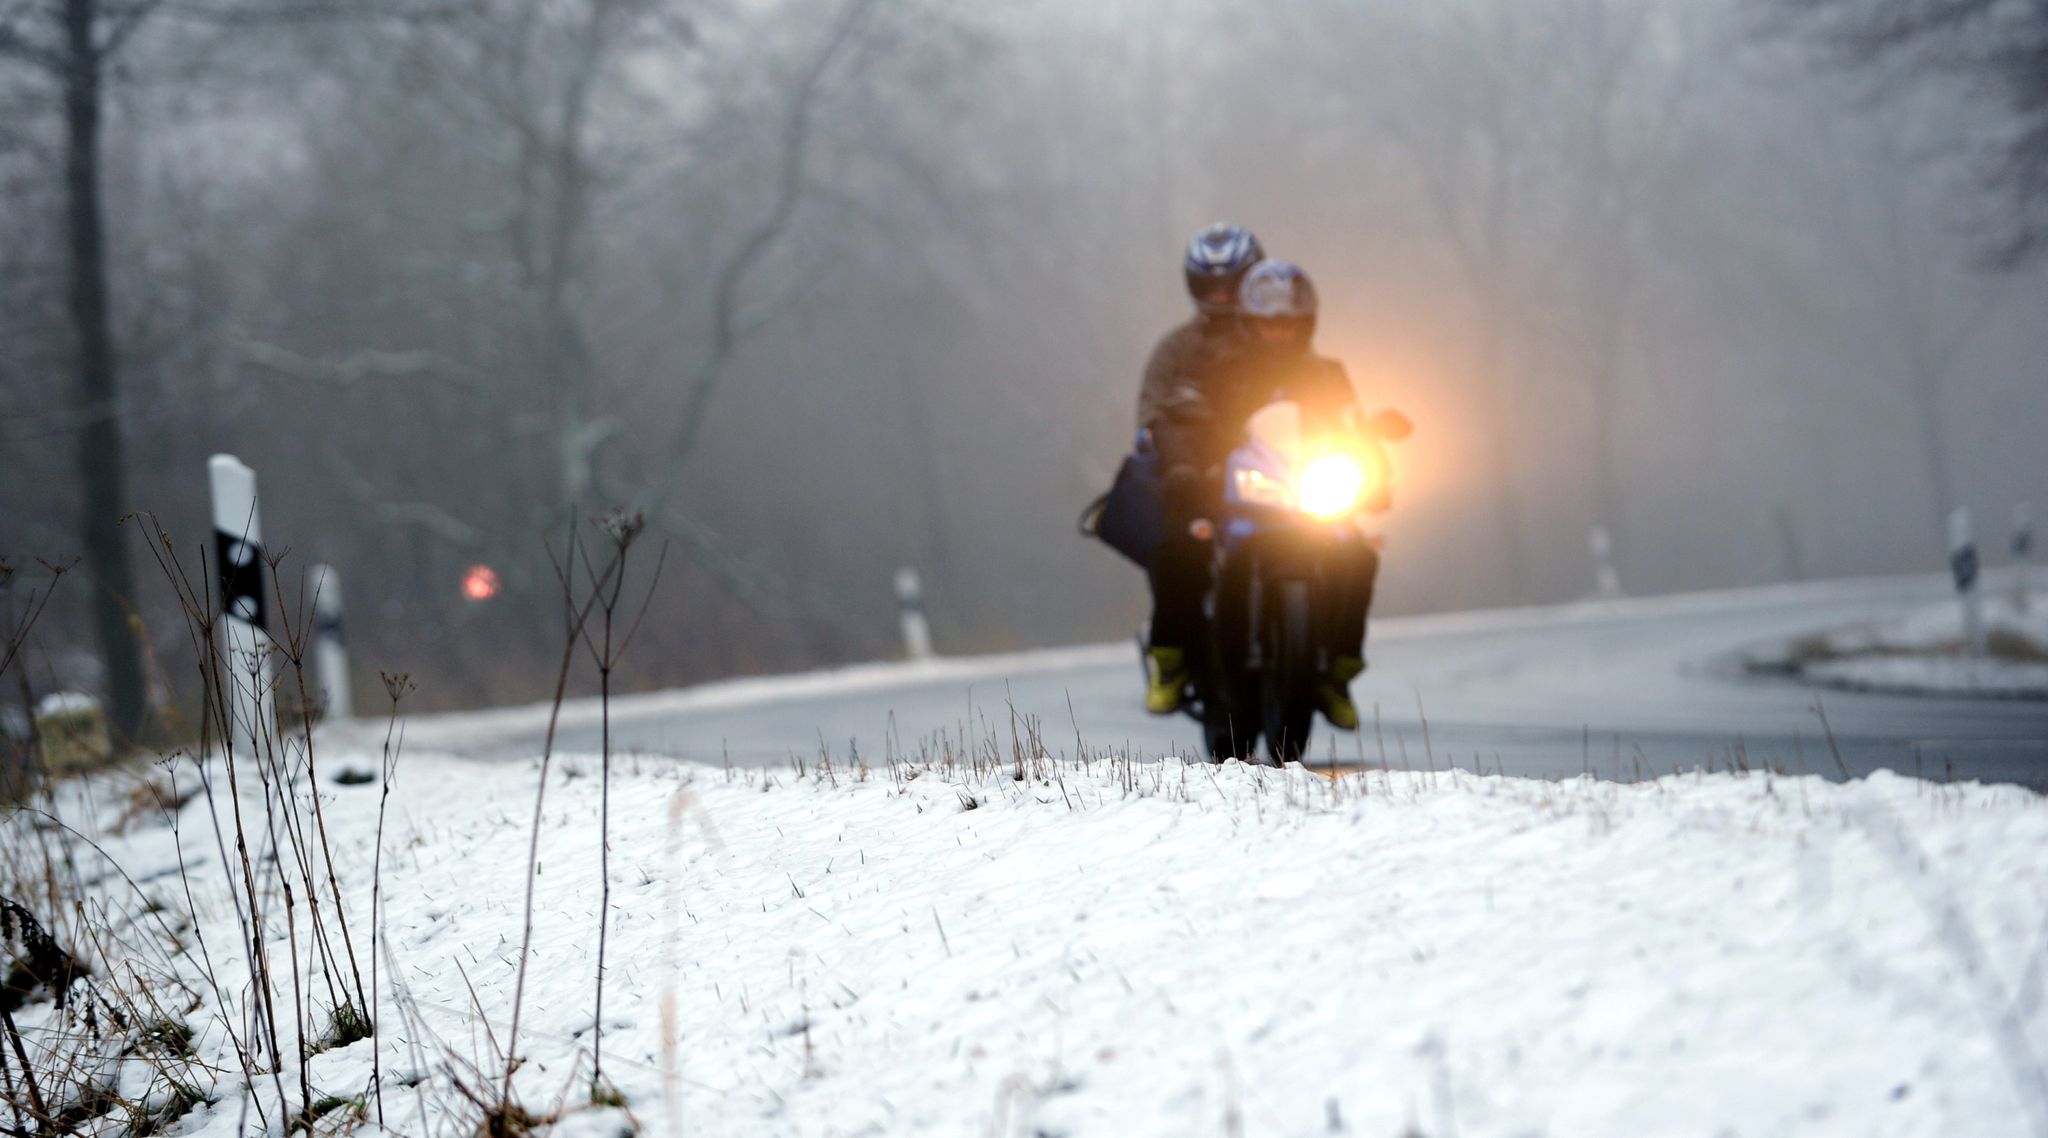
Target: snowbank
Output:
[{"x": 1169, "y": 949}]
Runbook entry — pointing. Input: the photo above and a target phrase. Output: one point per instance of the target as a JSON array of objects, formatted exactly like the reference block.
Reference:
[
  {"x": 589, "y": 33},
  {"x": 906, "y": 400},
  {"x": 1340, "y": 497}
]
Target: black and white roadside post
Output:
[
  {"x": 917, "y": 631},
  {"x": 330, "y": 654},
  {"x": 1963, "y": 565},
  {"x": 1606, "y": 582},
  {"x": 2022, "y": 552},
  {"x": 238, "y": 551}
]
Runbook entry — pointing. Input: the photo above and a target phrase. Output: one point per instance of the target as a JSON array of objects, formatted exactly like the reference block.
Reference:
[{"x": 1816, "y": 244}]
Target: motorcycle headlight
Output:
[
  {"x": 1255, "y": 488},
  {"x": 1332, "y": 486}
]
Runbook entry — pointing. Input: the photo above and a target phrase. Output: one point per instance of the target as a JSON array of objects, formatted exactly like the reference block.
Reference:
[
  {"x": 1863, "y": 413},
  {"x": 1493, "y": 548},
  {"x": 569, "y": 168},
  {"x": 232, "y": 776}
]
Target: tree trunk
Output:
[
  {"x": 926, "y": 468},
  {"x": 1603, "y": 383},
  {"x": 1933, "y": 434},
  {"x": 1511, "y": 557},
  {"x": 99, "y": 443}
]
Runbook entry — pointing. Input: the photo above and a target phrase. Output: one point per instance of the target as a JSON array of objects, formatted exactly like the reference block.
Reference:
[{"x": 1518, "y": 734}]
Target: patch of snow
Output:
[
  {"x": 1939, "y": 628},
  {"x": 1172, "y": 949},
  {"x": 1923, "y": 652},
  {"x": 66, "y": 702}
]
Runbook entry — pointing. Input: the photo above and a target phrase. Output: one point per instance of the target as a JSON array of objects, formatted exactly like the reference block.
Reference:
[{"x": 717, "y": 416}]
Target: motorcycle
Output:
[{"x": 1294, "y": 507}]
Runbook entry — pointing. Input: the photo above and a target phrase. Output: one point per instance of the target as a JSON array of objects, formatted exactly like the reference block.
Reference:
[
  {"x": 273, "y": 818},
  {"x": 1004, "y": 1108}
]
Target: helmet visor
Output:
[{"x": 1280, "y": 331}]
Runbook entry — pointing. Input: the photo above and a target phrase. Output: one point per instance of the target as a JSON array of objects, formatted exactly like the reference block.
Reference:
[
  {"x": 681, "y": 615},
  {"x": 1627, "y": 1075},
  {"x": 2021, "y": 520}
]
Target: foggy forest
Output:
[{"x": 833, "y": 287}]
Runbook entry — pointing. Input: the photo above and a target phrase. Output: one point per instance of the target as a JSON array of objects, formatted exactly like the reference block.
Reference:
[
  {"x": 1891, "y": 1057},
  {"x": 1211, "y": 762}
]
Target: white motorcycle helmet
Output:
[{"x": 1278, "y": 303}]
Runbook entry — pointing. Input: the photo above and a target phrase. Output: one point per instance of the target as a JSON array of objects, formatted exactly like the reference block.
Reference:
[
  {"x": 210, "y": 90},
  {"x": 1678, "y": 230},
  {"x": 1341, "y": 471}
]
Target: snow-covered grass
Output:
[
  {"x": 1923, "y": 652},
  {"x": 1021, "y": 946}
]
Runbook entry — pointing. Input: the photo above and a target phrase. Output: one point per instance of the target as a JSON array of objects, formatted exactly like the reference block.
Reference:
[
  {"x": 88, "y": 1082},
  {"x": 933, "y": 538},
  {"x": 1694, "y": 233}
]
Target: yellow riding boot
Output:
[
  {"x": 1166, "y": 675},
  {"x": 1334, "y": 693}
]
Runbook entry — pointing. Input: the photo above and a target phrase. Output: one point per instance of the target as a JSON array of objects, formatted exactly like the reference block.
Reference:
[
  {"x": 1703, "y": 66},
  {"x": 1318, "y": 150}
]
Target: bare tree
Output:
[
  {"x": 1907, "y": 296},
  {"x": 2000, "y": 49},
  {"x": 729, "y": 321},
  {"x": 1538, "y": 137},
  {"x": 1465, "y": 112},
  {"x": 75, "y": 43},
  {"x": 1620, "y": 121}
]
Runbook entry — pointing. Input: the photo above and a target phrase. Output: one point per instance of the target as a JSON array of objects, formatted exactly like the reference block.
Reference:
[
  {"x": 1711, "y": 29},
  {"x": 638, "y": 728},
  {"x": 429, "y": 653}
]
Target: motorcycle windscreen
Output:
[
  {"x": 1277, "y": 426},
  {"x": 1260, "y": 471}
]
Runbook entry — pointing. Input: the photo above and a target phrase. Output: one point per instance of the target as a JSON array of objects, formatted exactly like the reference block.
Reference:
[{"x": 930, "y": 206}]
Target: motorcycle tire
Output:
[
  {"x": 1290, "y": 676},
  {"x": 1230, "y": 725},
  {"x": 1230, "y": 695},
  {"x": 1224, "y": 738}
]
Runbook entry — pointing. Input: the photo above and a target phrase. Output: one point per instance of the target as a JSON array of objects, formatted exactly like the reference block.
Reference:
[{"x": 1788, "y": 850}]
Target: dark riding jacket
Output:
[{"x": 1203, "y": 383}]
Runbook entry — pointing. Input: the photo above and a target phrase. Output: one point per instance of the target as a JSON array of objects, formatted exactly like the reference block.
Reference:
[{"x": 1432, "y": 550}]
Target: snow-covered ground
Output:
[
  {"x": 1108, "y": 948},
  {"x": 1922, "y": 652}
]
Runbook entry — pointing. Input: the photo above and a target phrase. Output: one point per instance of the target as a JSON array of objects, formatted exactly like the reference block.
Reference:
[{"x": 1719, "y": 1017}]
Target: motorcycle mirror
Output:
[{"x": 1391, "y": 425}]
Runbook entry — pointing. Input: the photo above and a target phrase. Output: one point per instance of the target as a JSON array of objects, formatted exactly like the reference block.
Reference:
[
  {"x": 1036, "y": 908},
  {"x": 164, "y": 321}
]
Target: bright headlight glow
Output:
[{"x": 1332, "y": 486}]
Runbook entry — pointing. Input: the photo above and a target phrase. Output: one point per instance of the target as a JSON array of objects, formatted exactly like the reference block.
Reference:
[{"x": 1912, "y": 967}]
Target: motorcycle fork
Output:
[
  {"x": 1254, "y": 604},
  {"x": 1244, "y": 582},
  {"x": 1260, "y": 585},
  {"x": 1231, "y": 605}
]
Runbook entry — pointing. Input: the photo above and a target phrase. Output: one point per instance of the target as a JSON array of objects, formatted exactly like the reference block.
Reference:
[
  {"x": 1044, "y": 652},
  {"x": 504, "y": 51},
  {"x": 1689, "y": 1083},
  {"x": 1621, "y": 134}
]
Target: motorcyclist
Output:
[
  {"x": 1178, "y": 375},
  {"x": 1216, "y": 261},
  {"x": 1192, "y": 433}
]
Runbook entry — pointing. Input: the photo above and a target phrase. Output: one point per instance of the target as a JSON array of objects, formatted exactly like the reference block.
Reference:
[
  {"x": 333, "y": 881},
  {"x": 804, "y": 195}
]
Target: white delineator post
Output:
[
  {"x": 1963, "y": 565},
  {"x": 2022, "y": 552},
  {"x": 1606, "y": 582},
  {"x": 238, "y": 552},
  {"x": 917, "y": 631},
  {"x": 330, "y": 654}
]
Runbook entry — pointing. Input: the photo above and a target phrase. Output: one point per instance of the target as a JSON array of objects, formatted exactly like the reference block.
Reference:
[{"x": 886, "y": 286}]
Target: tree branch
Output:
[
  {"x": 753, "y": 585},
  {"x": 417, "y": 515},
  {"x": 280, "y": 12},
  {"x": 355, "y": 367},
  {"x": 15, "y": 43},
  {"x": 124, "y": 25},
  {"x": 1869, "y": 29},
  {"x": 733, "y": 275},
  {"x": 2004, "y": 40}
]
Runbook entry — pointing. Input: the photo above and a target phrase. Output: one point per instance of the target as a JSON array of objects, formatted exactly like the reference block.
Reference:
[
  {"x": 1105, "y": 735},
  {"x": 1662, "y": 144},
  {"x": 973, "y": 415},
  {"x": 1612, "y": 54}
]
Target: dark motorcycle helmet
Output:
[
  {"x": 1216, "y": 262},
  {"x": 1276, "y": 304}
]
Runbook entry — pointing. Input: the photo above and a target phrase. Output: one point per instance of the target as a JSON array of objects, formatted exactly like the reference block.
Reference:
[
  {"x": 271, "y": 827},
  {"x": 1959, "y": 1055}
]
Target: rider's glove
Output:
[{"x": 1183, "y": 491}]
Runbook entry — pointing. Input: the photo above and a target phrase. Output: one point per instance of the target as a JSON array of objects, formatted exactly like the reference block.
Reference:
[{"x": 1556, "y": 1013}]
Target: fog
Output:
[{"x": 835, "y": 286}]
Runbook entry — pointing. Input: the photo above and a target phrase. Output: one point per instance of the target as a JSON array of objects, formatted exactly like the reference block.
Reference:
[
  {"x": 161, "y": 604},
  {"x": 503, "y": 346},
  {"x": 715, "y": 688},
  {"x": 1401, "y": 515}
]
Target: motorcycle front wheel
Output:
[
  {"x": 1288, "y": 685},
  {"x": 1230, "y": 724}
]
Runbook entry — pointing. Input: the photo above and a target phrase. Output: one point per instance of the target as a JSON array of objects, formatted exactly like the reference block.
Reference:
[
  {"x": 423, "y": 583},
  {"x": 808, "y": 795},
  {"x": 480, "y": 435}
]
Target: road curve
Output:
[{"x": 1615, "y": 688}]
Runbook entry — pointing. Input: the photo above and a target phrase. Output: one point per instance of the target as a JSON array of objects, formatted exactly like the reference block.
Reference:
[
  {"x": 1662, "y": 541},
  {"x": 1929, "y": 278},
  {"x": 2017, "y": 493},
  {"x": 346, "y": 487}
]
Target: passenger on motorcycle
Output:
[{"x": 1195, "y": 417}]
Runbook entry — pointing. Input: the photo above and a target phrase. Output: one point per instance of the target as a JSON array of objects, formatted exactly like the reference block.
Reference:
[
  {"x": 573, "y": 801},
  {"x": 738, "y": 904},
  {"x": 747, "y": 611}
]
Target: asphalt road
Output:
[{"x": 1618, "y": 689}]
